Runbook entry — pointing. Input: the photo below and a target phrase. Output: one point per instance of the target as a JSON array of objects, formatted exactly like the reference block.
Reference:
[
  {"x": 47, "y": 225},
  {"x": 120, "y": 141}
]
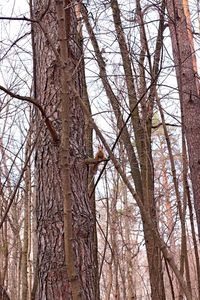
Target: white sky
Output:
[
  {"x": 13, "y": 72},
  {"x": 13, "y": 7}
]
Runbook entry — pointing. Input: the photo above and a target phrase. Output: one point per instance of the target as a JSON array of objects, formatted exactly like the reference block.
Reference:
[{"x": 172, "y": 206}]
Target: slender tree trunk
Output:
[
  {"x": 142, "y": 138},
  {"x": 89, "y": 152},
  {"x": 130, "y": 280},
  {"x": 24, "y": 268}
]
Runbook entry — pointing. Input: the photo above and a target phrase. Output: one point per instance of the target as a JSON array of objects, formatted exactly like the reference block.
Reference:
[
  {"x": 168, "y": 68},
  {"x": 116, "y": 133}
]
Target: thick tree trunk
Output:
[
  {"x": 54, "y": 279},
  {"x": 188, "y": 84}
]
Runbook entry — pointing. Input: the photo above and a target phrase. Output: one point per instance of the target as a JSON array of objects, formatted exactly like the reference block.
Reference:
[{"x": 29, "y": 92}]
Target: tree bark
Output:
[
  {"x": 24, "y": 259},
  {"x": 188, "y": 85},
  {"x": 55, "y": 280}
]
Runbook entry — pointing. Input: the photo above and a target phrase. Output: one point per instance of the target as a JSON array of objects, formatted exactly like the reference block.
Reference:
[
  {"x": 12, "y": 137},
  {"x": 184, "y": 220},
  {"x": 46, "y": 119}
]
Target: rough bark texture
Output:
[
  {"x": 3, "y": 294},
  {"x": 188, "y": 84},
  {"x": 53, "y": 277},
  {"x": 89, "y": 152}
]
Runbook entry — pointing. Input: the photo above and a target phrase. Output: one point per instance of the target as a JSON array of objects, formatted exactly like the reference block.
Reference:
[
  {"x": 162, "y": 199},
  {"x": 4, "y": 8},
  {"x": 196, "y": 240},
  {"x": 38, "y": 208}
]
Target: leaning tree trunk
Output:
[
  {"x": 56, "y": 204},
  {"x": 188, "y": 84},
  {"x": 142, "y": 141}
]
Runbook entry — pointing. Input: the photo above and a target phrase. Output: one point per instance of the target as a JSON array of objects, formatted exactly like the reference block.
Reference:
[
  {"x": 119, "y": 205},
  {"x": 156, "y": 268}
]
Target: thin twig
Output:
[
  {"x": 17, "y": 186},
  {"x": 35, "y": 103}
]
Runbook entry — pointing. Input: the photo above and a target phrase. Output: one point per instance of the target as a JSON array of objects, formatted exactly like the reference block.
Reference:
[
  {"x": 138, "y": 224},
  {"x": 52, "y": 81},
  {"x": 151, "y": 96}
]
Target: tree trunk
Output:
[
  {"x": 24, "y": 259},
  {"x": 188, "y": 84},
  {"x": 3, "y": 294},
  {"x": 143, "y": 145},
  {"x": 54, "y": 278}
]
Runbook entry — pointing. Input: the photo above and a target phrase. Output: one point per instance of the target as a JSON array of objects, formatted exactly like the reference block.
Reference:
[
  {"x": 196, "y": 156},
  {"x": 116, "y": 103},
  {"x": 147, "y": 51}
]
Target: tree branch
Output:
[{"x": 33, "y": 101}]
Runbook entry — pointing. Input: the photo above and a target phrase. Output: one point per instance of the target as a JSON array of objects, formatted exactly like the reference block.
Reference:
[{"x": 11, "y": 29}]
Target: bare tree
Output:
[{"x": 103, "y": 75}]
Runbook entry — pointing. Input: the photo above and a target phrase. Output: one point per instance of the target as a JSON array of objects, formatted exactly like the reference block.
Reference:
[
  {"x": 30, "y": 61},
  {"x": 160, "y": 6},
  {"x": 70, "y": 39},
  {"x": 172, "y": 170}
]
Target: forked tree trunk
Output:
[
  {"x": 54, "y": 278},
  {"x": 142, "y": 138}
]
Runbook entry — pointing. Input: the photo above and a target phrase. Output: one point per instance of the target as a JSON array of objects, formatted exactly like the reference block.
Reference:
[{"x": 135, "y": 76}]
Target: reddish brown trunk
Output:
[
  {"x": 54, "y": 280},
  {"x": 188, "y": 84}
]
